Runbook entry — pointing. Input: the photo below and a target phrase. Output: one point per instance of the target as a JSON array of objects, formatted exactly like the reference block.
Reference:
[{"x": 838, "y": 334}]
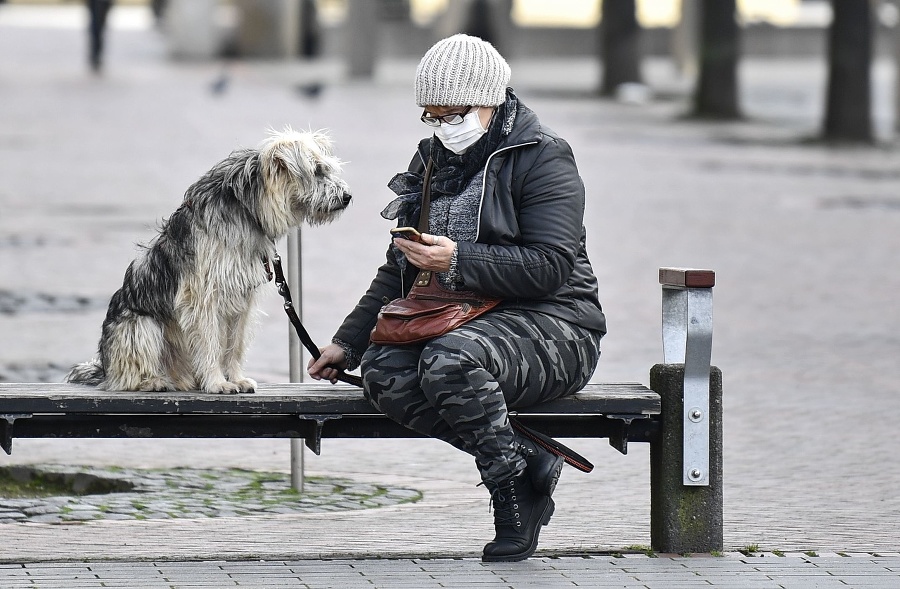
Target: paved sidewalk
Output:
[
  {"x": 803, "y": 238},
  {"x": 597, "y": 572}
]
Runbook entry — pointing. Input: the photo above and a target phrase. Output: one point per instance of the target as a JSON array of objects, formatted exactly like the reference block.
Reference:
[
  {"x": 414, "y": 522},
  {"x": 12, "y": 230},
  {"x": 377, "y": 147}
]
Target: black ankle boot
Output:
[
  {"x": 544, "y": 467},
  {"x": 519, "y": 513}
]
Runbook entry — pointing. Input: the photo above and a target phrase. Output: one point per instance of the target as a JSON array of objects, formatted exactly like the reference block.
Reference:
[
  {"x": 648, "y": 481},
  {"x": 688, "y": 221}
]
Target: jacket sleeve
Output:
[{"x": 548, "y": 196}]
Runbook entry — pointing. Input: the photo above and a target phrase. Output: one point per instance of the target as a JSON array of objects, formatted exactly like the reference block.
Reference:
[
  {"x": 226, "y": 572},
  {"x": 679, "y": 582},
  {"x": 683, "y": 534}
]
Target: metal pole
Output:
[{"x": 295, "y": 349}]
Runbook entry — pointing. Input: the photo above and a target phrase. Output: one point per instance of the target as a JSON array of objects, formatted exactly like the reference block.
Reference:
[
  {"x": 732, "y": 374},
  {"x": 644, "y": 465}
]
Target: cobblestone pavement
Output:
[
  {"x": 803, "y": 238},
  {"x": 91, "y": 494}
]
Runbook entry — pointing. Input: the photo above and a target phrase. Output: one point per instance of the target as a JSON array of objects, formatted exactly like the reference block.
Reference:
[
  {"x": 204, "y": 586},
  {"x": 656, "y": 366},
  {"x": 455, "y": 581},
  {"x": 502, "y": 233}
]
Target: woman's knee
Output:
[
  {"x": 450, "y": 355},
  {"x": 390, "y": 378}
]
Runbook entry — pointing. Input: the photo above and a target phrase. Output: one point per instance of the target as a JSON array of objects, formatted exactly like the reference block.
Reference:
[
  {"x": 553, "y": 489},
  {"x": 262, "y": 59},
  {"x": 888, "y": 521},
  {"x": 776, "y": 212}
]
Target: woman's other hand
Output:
[{"x": 326, "y": 366}]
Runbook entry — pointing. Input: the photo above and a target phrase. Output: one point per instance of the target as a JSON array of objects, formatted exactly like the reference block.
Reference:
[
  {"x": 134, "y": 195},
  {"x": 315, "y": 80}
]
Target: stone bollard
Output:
[
  {"x": 684, "y": 519},
  {"x": 361, "y": 44},
  {"x": 191, "y": 31},
  {"x": 268, "y": 28}
]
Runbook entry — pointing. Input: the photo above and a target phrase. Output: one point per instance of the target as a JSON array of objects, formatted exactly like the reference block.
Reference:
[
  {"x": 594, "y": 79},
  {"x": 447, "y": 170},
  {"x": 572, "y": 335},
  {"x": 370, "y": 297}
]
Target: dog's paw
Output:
[
  {"x": 247, "y": 385},
  {"x": 222, "y": 388}
]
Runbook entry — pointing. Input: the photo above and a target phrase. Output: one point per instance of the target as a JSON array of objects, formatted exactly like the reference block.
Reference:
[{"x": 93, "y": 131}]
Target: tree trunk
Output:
[
  {"x": 848, "y": 115},
  {"x": 619, "y": 45},
  {"x": 716, "y": 95}
]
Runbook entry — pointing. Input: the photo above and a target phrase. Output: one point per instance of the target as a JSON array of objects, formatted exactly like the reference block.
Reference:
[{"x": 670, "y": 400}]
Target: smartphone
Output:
[{"x": 410, "y": 233}]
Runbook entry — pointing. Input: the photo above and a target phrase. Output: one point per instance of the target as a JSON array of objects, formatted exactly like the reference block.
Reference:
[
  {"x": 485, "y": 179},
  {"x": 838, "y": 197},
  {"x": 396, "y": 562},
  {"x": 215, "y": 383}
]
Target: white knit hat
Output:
[{"x": 462, "y": 71}]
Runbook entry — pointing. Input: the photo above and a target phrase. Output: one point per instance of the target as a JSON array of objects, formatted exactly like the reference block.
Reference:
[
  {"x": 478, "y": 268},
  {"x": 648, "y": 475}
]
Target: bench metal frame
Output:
[{"x": 311, "y": 411}]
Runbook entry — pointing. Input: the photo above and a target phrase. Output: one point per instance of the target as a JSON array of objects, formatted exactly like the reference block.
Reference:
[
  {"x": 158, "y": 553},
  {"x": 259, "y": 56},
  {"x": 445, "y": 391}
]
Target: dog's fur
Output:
[{"x": 182, "y": 319}]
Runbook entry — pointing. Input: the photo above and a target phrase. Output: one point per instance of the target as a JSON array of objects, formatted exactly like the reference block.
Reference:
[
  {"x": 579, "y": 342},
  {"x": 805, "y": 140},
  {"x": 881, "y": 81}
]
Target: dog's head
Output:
[{"x": 300, "y": 171}]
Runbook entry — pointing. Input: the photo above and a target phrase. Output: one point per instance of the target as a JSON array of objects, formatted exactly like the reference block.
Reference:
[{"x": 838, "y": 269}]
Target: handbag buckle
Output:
[{"x": 423, "y": 278}]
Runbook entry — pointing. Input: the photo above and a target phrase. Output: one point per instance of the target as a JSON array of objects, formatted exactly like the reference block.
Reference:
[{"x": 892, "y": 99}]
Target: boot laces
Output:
[
  {"x": 525, "y": 449},
  {"x": 505, "y": 506}
]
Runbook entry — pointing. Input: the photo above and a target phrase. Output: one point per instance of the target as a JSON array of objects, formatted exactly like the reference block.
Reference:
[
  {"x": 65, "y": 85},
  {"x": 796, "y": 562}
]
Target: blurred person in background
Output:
[
  {"x": 98, "y": 10},
  {"x": 506, "y": 221}
]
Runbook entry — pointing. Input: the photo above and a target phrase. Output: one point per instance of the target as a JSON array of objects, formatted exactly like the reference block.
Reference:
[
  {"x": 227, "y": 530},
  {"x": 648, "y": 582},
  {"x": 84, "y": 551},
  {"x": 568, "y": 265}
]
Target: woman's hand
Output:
[
  {"x": 433, "y": 253},
  {"x": 324, "y": 368}
]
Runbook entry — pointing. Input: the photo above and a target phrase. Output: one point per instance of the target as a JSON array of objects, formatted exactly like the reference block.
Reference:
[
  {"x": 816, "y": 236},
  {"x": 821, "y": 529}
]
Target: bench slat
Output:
[{"x": 283, "y": 398}]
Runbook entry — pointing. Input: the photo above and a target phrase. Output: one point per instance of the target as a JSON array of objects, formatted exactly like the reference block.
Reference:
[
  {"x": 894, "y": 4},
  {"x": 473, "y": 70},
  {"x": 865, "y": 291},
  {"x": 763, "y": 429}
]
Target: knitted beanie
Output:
[{"x": 462, "y": 71}]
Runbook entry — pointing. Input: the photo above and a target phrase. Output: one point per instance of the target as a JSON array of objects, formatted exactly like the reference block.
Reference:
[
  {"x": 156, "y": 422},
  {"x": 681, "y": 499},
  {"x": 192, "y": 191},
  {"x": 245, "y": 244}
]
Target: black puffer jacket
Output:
[{"x": 530, "y": 248}]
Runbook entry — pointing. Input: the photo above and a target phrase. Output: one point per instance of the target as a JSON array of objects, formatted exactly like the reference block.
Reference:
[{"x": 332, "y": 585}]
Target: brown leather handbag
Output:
[{"x": 429, "y": 310}]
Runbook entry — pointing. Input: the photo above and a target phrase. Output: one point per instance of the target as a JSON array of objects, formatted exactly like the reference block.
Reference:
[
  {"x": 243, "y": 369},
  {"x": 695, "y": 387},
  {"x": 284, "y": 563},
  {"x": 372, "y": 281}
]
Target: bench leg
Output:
[{"x": 684, "y": 519}]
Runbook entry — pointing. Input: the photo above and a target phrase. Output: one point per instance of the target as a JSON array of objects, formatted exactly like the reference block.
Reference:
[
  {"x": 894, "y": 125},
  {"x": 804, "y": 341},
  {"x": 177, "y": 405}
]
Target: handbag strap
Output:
[{"x": 425, "y": 210}]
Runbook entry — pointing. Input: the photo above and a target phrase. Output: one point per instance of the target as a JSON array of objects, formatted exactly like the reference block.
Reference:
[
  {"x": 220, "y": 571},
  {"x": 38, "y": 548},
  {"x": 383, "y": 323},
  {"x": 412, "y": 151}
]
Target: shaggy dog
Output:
[{"x": 182, "y": 318}]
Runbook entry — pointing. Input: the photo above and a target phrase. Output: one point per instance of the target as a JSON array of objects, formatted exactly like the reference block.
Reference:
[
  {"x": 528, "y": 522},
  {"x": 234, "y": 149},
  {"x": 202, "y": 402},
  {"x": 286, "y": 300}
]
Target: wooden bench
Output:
[{"x": 686, "y": 493}]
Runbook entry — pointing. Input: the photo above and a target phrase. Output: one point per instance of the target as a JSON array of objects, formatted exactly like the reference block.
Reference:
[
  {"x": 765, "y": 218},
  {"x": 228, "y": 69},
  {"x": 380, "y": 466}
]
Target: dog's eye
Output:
[{"x": 320, "y": 170}]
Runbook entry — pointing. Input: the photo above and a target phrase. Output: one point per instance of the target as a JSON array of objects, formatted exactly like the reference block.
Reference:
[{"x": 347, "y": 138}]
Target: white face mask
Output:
[{"x": 458, "y": 138}]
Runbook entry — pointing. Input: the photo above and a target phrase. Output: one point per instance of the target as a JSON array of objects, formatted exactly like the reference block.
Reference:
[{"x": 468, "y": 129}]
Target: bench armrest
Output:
[{"x": 687, "y": 339}]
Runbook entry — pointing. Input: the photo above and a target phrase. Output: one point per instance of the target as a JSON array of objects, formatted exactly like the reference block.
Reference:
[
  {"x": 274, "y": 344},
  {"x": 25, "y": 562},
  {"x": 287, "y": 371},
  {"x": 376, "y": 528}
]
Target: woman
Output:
[{"x": 506, "y": 221}]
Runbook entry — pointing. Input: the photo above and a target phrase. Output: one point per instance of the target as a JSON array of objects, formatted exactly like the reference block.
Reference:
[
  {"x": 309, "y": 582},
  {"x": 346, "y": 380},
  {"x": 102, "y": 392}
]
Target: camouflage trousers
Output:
[{"x": 459, "y": 386}]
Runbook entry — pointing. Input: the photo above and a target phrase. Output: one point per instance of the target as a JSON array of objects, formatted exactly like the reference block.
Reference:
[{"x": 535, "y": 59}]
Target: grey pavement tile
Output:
[
  {"x": 414, "y": 583},
  {"x": 872, "y": 571},
  {"x": 748, "y": 581},
  {"x": 134, "y": 583},
  {"x": 269, "y": 581},
  {"x": 810, "y": 583},
  {"x": 540, "y": 583},
  {"x": 340, "y": 585},
  {"x": 68, "y": 584}
]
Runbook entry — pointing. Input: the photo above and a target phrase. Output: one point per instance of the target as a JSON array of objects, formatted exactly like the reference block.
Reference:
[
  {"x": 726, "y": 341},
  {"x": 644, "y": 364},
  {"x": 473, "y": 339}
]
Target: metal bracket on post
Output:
[
  {"x": 315, "y": 443},
  {"x": 687, "y": 338},
  {"x": 618, "y": 439},
  {"x": 9, "y": 421}
]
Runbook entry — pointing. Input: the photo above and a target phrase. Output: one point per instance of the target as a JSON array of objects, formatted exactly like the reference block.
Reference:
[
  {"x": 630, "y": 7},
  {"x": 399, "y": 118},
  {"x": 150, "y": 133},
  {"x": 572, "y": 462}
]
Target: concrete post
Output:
[
  {"x": 685, "y": 38},
  {"x": 190, "y": 27},
  {"x": 268, "y": 28},
  {"x": 896, "y": 30},
  {"x": 361, "y": 37},
  {"x": 684, "y": 519}
]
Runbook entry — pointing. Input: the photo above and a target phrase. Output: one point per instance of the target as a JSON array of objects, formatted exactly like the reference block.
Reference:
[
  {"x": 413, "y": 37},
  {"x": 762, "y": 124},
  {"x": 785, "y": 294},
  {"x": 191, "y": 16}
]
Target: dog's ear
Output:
[
  {"x": 283, "y": 159},
  {"x": 279, "y": 162}
]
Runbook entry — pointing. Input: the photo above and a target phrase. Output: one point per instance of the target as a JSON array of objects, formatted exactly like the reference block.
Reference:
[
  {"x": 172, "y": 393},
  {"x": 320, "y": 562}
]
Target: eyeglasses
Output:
[{"x": 451, "y": 119}]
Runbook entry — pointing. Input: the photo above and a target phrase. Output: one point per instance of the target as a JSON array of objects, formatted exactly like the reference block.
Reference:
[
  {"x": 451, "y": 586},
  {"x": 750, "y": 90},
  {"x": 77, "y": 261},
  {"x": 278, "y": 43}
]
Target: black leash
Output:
[
  {"x": 571, "y": 457},
  {"x": 307, "y": 341}
]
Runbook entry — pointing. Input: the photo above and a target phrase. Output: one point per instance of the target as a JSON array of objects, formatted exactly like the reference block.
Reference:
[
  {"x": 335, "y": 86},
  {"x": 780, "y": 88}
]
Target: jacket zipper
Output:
[{"x": 484, "y": 183}]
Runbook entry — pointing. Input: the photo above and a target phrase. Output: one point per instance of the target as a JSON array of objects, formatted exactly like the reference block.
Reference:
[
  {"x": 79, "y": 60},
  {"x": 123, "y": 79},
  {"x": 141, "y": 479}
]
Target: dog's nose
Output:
[{"x": 346, "y": 198}]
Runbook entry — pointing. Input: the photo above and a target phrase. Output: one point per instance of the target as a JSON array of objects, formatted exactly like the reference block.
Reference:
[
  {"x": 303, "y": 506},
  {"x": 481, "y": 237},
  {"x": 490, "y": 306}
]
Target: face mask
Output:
[{"x": 458, "y": 138}]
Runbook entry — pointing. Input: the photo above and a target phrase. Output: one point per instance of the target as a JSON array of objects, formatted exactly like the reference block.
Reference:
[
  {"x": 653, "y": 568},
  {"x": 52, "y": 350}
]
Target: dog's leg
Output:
[
  {"x": 199, "y": 320},
  {"x": 239, "y": 332},
  {"x": 134, "y": 353},
  {"x": 178, "y": 359}
]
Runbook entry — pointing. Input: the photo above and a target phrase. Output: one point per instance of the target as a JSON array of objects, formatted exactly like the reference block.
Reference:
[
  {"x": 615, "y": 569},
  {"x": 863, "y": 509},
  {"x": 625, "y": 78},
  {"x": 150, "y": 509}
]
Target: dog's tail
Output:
[{"x": 89, "y": 373}]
